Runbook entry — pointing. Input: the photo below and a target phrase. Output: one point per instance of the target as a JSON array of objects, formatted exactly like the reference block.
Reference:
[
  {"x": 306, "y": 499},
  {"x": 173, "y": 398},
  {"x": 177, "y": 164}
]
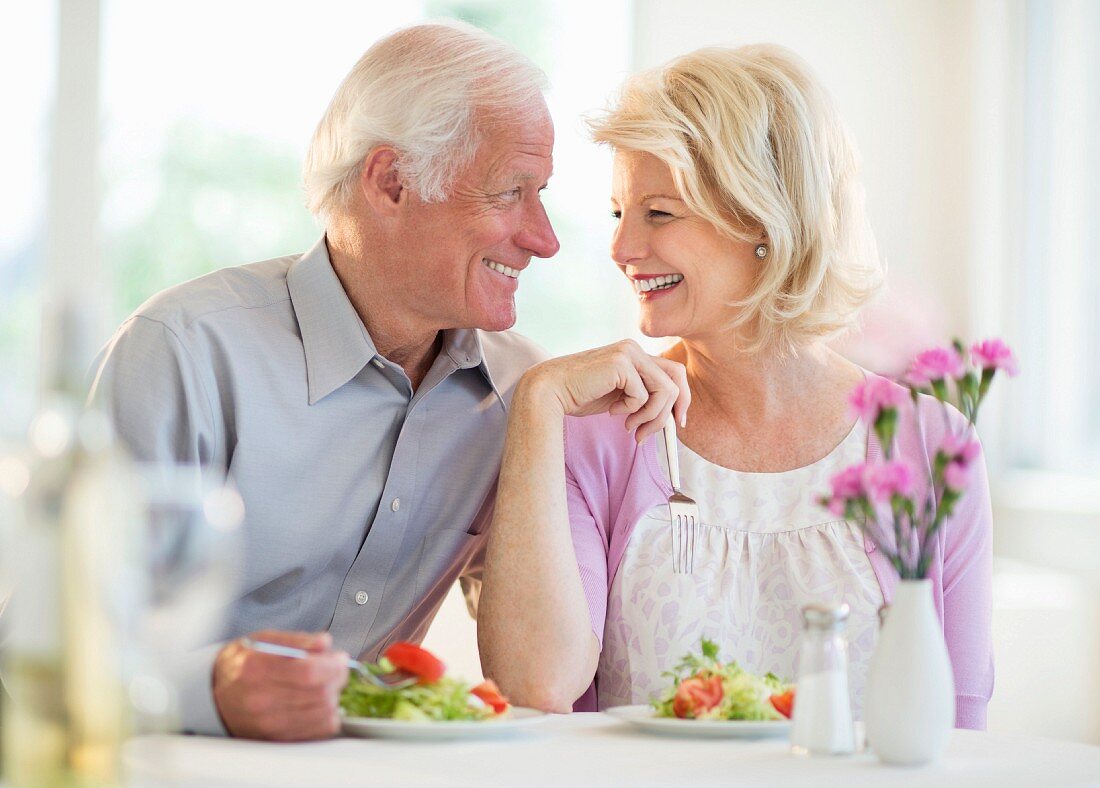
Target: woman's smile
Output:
[{"x": 651, "y": 286}]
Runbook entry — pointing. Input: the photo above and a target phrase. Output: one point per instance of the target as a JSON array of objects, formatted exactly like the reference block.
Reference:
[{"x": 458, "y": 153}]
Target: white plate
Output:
[
  {"x": 646, "y": 718},
  {"x": 518, "y": 717}
]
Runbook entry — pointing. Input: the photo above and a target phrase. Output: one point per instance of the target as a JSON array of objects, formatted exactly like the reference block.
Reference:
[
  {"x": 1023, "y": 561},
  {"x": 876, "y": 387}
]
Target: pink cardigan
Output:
[{"x": 611, "y": 482}]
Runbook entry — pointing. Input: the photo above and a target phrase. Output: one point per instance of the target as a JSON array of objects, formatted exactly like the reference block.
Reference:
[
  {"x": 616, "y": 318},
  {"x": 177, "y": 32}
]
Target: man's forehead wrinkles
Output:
[{"x": 511, "y": 171}]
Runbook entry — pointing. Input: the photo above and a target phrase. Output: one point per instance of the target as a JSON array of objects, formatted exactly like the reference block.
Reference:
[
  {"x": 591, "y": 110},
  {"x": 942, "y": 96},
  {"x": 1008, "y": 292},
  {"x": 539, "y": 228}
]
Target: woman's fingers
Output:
[
  {"x": 621, "y": 379},
  {"x": 659, "y": 396},
  {"x": 656, "y": 414},
  {"x": 678, "y": 373},
  {"x": 635, "y": 391},
  {"x": 663, "y": 394}
]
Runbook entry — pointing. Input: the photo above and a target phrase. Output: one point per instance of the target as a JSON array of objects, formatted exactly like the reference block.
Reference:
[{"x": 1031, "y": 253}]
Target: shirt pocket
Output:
[{"x": 442, "y": 557}]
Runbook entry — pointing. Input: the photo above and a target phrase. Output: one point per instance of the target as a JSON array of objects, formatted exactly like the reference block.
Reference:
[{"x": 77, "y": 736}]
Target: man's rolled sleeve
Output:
[{"x": 193, "y": 681}]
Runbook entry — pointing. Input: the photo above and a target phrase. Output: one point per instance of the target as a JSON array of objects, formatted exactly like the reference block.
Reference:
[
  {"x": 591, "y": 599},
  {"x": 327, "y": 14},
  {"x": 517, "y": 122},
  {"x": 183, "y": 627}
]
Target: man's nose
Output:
[{"x": 538, "y": 235}]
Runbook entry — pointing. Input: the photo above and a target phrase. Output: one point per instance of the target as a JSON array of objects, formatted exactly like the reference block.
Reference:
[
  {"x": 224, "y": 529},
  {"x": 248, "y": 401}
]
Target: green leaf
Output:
[{"x": 885, "y": 427}]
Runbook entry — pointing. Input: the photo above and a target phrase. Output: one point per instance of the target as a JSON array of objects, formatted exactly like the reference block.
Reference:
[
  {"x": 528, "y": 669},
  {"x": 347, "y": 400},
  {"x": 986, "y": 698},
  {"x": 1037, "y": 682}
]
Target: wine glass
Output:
[{"x": 186, "y": 575}]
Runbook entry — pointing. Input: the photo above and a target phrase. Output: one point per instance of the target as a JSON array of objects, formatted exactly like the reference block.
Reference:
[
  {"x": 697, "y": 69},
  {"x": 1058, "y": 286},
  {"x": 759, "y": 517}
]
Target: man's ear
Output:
[{"x": 380, "y": 181}]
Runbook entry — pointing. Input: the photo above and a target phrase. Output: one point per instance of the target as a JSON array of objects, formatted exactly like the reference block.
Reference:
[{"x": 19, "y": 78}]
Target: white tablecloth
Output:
[{"x": 594, "y": 749}]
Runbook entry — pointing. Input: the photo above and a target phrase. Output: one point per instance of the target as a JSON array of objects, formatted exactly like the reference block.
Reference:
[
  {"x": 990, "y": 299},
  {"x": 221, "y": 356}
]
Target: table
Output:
[{"x": 594, "y": 749}]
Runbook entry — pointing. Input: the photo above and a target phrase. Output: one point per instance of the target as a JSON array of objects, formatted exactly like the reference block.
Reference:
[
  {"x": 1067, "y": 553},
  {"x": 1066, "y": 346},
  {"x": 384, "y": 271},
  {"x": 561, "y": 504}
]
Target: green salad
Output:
[
  {"x": 434, "y": 698},
  {"x": 706, "y": 689},
  {"x": 446, "y": 699}
]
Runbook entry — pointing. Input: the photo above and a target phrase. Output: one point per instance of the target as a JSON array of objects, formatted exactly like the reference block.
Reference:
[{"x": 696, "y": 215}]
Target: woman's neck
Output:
[
  {"x": 762, "y": 411},
  {"x": 752, "y": 388}
]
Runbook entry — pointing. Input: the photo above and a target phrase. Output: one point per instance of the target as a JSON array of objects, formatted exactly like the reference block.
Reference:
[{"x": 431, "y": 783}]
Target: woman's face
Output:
[{"x": 684, "y": 272}]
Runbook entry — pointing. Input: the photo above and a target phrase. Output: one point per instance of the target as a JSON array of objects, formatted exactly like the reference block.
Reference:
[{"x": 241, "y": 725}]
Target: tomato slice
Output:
[
  {"x": 697, "y": 695},
  {"x": 784, "y": 703},
  {"x": 415, "y": 660},
  {"x": 489, "y": 692}
]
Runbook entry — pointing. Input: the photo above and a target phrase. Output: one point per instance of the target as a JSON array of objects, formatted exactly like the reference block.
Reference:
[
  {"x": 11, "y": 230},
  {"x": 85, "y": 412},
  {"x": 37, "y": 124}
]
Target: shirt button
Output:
[
  {"x": 378, "y": 363},
  {"x": 361, "y": 598},
  {"x": 396, "y": 504}
]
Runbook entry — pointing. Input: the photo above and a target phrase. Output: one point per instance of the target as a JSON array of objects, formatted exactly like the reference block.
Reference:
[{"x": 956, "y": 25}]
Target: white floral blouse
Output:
[{"x": 763, "y": 551}]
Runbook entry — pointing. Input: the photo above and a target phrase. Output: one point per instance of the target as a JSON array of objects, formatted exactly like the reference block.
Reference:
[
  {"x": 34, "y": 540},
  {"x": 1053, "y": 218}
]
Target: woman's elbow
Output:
[{"x": 556, "y": 697}]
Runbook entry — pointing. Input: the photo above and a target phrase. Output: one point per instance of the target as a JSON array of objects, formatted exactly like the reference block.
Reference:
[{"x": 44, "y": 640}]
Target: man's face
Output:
[{"x": 463, "y": 256}]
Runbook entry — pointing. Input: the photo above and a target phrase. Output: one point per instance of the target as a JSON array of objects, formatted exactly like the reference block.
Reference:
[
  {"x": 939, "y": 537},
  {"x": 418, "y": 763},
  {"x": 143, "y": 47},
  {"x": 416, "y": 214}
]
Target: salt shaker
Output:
[{"x": 822, "y": 708}]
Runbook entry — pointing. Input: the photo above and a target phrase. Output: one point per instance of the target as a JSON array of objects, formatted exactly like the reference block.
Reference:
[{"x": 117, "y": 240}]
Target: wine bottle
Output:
[{"x": 68, "y": 559}]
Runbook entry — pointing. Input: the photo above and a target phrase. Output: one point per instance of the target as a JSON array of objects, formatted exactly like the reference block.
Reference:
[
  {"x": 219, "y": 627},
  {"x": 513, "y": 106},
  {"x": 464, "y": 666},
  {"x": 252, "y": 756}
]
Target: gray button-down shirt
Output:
[{"x": 364, "y": 500}]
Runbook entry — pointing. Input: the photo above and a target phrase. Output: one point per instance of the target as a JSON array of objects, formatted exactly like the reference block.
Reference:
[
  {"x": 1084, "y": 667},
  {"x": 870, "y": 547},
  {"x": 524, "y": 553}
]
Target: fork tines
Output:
[
  {"x": 683, "y": 512},
  {"x": 684, "y": 515}
]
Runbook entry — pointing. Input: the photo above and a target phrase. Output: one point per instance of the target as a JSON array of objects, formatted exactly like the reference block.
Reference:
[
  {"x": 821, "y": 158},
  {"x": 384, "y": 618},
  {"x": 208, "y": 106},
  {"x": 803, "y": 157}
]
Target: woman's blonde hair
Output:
[{"x": 754, "y": 144}]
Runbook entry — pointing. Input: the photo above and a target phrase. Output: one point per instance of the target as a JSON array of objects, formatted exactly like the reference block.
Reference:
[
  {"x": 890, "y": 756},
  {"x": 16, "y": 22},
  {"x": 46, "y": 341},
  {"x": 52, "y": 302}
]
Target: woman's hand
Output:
[{"x": 617, "y": 379}]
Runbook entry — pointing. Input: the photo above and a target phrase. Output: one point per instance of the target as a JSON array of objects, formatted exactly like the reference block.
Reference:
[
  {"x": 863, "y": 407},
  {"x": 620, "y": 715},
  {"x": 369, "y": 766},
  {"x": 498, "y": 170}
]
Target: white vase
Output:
[{"x": 910, "y": 706}]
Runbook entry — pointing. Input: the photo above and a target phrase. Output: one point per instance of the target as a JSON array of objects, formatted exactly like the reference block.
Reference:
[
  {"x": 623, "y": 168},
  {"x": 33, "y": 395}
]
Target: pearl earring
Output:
[{"x": 761, "y": 251}]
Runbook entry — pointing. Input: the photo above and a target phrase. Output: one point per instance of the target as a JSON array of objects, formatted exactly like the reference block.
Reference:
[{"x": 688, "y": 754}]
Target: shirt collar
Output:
[
  {"x": 464, "y": 347},
  {"x": 337, "y": 344}
]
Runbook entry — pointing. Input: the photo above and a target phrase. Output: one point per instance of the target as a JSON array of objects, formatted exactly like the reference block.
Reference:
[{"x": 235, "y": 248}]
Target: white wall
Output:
[{"x": 901, "y": 74}]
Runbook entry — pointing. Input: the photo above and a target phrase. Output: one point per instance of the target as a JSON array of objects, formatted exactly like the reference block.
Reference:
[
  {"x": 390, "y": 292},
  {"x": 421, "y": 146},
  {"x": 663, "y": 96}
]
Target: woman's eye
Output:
[
  {"x": 659, "y": 214},
  {"x": 616, "y": 214}
]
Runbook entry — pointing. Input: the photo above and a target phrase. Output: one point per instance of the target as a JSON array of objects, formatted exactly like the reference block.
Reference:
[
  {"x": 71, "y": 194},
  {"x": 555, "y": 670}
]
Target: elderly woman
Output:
[{"x": 740, "y": 227}]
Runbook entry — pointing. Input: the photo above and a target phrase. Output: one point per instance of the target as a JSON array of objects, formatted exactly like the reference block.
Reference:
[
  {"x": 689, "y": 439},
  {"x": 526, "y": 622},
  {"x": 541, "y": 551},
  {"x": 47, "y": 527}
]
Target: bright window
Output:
[
  {"x": 29, "y": 51},
  {"x": 1056, "y": 297}
]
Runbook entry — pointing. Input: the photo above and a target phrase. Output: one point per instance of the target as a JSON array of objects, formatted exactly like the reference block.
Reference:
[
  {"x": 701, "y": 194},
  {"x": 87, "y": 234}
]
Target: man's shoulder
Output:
[
  {"x": 241, "y": 287},
  {"x": 512, "y": 350},
  {"x": 507, "y": 356}
]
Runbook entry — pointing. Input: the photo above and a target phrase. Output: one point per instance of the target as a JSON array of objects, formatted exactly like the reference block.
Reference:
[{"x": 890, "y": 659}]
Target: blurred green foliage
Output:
[{"x": 217, "y": 198}]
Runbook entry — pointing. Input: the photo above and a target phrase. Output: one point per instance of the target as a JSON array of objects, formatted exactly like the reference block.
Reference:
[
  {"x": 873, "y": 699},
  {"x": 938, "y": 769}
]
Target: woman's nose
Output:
[{"x": 628, "y": 242}]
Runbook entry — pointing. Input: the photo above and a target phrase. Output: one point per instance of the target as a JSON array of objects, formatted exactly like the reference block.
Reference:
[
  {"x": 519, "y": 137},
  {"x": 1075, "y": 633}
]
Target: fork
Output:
[
  {"x": 683, "y": 511},
  {"x": 395, "y": 680}
]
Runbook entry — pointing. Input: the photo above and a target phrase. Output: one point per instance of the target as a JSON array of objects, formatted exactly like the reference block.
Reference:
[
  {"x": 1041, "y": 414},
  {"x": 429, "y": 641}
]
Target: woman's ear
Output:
[{"x": 380, "y": 182}]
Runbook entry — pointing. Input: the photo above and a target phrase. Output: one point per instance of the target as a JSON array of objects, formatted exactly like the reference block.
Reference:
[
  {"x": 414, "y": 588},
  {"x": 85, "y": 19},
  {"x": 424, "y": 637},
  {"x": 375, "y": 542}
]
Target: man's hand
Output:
[
  {"x": 617, "y": 379},
  {"x": 262, "y": 696}
]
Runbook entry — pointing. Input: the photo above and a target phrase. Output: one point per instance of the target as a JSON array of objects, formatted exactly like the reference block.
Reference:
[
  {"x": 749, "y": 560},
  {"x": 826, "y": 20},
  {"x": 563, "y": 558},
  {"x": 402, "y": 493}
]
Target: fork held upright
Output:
[{"x": 683, "y": 512}]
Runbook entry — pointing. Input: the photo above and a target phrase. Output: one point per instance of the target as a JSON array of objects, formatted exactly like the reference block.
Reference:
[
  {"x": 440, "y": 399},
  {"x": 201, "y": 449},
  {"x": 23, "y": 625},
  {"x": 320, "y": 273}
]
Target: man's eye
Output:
[{"x": 511, "y": 194}]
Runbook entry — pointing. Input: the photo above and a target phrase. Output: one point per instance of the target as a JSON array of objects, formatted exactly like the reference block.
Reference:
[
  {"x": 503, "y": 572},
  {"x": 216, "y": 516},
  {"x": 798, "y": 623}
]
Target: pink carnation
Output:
[
  {"x": 874, "y": 395},
  {"x": 935, "y": 364},
  {"x": 961, "y": 448},
  {"x": 956, "y": 476},
  {"x": 886, "y": 479},
  {"x": 848, "y": 483},
  {"x": 994, "y": 354}
]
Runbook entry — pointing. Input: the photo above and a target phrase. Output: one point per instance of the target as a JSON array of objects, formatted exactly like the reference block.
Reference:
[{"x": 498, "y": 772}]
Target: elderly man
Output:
[{"x": 356, "y": 394}]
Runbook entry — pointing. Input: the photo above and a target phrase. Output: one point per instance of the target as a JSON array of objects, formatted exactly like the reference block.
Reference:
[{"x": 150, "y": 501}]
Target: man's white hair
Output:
[{"x": 425, "y": 90}]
